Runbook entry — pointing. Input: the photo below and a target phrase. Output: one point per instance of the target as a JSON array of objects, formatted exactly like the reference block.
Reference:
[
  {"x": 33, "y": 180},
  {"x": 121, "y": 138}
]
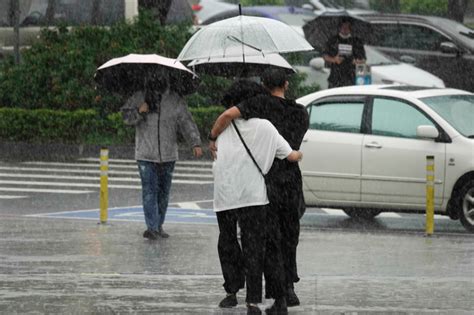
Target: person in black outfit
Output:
[
  {"x": 284, "y": 182},
  {"x": 342, "y": 52}
]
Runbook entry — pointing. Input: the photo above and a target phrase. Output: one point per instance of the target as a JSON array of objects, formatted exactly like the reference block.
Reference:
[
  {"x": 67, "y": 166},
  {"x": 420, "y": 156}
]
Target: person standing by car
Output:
[
  {"x": 342, "y": 52},
  {"x": 157, "y": 114},
  {"x": 292, "y": 121},
  {"x": 240, "y": 196}
]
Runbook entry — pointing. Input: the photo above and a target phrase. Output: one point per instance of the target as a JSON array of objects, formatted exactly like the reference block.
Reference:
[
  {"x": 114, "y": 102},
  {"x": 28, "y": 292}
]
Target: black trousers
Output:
[
  {"x": 283, "y": 213},
  {"x": 242, "y": 265}
]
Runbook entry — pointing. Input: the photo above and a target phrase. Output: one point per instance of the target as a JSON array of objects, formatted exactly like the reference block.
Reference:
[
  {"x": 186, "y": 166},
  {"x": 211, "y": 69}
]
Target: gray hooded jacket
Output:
[{"x": 156, "y": 132}]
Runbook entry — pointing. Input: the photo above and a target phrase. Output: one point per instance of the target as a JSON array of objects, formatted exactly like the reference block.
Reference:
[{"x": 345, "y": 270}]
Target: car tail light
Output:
[{"x": 196, "y": 7}]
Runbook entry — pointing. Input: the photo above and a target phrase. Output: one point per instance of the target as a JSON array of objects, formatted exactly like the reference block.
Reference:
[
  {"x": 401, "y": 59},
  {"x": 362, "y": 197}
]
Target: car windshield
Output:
[
  {"x": 458, "y": 110},
  {"x": 462, "y": 32},
  {"x": 376, "y": 58}
]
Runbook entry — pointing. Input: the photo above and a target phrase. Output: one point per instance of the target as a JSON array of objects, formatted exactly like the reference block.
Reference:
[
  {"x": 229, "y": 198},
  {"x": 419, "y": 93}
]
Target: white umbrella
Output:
[
  {"x": 128, "y": 73},
  {"x": 253, "y": 35},
  {"x": 235, "y": 67}
]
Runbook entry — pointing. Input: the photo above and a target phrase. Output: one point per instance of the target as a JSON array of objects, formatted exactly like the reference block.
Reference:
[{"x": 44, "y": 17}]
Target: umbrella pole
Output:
[{"x": 242, "y": 34}]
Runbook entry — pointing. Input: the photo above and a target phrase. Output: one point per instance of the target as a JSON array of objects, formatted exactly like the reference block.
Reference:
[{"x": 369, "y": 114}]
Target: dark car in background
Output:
[{"x": 438, "y": 45}]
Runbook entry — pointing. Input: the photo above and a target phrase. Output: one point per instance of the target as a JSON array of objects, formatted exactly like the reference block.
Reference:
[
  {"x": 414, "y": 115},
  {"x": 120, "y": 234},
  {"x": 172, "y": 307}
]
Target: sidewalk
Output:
[{"x": 75, "y": 267}]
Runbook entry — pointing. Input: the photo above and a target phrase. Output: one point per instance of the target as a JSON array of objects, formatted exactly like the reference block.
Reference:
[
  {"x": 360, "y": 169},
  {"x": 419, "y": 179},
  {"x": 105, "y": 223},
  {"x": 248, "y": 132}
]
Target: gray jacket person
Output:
[{"x": 157, "y": 117}]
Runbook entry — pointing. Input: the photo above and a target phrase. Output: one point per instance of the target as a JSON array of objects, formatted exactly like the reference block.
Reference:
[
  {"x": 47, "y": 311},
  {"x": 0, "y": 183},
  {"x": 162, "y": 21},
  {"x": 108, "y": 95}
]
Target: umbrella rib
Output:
[{"x": 243, "y": 43}]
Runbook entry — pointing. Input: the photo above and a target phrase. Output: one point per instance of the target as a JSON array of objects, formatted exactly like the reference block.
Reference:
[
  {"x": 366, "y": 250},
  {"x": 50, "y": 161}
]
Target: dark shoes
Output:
[
  {"x": 162, "y": 233},
  {"x": 229, "y": 301},
  {"x": 292, "y": 298},
  {"x": 278, "y": 308},
  {"x": 252, "y": 309},
  {"x": 154, "y": 235},
  {"x": 151, "y": 235}
]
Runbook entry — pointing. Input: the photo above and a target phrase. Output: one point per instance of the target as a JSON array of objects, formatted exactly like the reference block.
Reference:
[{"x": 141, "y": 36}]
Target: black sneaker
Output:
[
  {"x": 162, "y": 233},
  {"x": 151, "y": 235},
  {"x": 292, "y": 298},
  {"x": 229, "y": 301},
  {"x": 252, "y": 309},
  {"x": 278, "y": 308}
]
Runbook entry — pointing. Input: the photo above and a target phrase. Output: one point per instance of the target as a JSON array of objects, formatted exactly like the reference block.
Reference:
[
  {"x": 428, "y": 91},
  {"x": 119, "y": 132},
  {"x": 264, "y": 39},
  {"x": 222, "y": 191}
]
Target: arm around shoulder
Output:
[{"x": 223, "y": 121}]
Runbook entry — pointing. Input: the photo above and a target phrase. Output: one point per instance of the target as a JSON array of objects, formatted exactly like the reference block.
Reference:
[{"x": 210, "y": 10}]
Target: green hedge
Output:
[{"x": 80, "y": 126}]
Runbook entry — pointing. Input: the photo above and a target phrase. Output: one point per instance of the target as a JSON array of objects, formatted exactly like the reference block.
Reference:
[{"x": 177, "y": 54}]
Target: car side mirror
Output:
[
  {"x": 427, "y": 132},
  {"x": 449, "y": 48},
  {"x": 317, "y": 63}
]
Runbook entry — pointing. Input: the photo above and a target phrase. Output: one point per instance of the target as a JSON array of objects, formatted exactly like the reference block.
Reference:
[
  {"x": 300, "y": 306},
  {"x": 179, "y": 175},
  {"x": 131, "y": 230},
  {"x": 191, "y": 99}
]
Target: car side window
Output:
[
  {"x": 393, "y": 118},
  {"x": 420, "y": 38},
  {"x": 385, "y": 35},
  {"x": 340, "y": 117}
]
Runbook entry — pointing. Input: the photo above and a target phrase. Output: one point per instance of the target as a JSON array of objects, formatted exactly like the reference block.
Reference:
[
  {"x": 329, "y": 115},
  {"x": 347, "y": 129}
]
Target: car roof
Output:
[{"x": 404, "y": 91}]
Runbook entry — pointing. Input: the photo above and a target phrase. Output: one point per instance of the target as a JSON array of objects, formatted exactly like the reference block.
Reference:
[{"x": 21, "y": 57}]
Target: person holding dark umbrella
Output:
[
  {"x": 157, "y": 114},
  {"x": 342, "y": 52},
  {"x": 156, "y": 108}
]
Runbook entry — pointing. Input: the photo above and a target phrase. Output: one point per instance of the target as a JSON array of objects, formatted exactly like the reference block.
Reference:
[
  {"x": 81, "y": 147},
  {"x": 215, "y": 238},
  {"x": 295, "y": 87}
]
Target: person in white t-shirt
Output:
[{"x": 240, "y": 196}]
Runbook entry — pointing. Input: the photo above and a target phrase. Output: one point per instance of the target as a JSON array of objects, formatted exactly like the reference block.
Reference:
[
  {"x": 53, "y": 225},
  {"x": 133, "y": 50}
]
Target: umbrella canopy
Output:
[
  {"x": 130, "y": 73},
  {"x": 326, "y": 25},
  {"x": 253, "y": 35},
  {"x": 235, "y": 67}
]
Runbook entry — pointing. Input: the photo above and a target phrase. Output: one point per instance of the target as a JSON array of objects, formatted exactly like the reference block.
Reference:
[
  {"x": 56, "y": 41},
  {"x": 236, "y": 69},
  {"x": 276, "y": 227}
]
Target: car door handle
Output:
[
  {"x": 305, "y": 140},
  {"x": 374, "y": 145}
]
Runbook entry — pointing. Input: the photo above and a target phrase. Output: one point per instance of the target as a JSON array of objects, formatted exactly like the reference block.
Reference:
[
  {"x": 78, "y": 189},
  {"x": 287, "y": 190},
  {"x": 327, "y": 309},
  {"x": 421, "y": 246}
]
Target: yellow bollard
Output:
[
  {"x": 430, "y": 182},
  {"x": 104, "y": 191}
]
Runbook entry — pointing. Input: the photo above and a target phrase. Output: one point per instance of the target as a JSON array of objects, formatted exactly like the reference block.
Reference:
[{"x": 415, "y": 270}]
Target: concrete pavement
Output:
[{"x": 76, "y": 266}]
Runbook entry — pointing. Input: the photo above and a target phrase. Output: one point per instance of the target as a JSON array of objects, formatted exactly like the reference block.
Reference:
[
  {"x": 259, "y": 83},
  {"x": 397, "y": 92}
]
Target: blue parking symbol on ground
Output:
[{"x": 173, "y": 215}]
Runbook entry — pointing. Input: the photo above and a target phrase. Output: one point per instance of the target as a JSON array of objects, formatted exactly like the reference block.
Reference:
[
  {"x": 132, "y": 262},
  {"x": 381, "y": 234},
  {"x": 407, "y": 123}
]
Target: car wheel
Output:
[
  {"x": 361, "y": 213},
  {"x": 466, "y": 205}
]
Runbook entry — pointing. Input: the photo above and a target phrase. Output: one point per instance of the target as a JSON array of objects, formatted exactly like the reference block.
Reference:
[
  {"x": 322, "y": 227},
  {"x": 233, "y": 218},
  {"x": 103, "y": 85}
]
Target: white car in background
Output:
[
  {"x": 384, "y": 70},
  {"x": 365, "y": 151}
]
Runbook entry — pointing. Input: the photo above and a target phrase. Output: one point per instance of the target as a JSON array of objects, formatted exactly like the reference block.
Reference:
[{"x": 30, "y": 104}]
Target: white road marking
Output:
[
  {"x": 57, "y": 191},
  {"x": 12, "y": 197},
  {"x": 64, "y": 184},
  {"x": 64, "y": 170},
  {"x": 125, "y": 161},
  {"x": 188, "y": 205},
  {"x": 97, "y": 165},
  {"x": 111, "y": 178}
]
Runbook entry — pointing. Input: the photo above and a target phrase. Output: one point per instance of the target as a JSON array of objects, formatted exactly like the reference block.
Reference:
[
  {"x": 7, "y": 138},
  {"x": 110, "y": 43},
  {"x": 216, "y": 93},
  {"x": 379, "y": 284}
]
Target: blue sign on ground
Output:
[{"x": 177, "y": 215}]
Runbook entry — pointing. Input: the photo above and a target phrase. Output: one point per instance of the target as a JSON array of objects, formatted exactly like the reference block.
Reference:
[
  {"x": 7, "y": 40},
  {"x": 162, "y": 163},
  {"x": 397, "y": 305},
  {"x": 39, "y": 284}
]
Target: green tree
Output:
[{"x": 426, "y": 7}]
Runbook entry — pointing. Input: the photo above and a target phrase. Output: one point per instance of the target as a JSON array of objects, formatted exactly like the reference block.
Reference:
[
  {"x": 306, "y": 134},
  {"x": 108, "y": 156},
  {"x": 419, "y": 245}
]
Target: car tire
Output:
[
  {"x": 465, "y": 205},
  {"x": 364, "y": 214}
]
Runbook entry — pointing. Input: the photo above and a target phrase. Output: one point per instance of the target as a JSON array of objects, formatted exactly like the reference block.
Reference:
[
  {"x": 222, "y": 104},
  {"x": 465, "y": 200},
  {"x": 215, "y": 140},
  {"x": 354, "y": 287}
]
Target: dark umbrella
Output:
[
  {"x": 326, "y": 25},
  {"x": 130, "y": 73}
]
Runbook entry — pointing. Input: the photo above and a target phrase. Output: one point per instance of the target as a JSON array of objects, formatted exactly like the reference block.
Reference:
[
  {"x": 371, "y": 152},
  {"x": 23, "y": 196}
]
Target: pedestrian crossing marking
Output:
[
  {"x": 53, "y": 191},
  {"x": 24, "y": 176},
  {"x": 12, "y": 197}
]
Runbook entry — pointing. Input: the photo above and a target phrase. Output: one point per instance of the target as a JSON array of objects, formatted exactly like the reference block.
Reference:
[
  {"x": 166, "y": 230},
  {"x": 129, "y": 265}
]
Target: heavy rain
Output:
[{"x": 236, "y": 156}]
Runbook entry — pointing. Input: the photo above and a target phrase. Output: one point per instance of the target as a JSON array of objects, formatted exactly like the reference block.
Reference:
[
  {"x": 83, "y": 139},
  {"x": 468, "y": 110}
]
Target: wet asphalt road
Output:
[{"x": 74, "y": 266}]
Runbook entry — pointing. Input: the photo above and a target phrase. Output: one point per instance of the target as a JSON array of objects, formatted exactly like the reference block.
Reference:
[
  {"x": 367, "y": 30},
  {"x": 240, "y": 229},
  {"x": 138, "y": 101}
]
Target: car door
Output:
[
  {"x": 394, "y": 159},
  {"x": 331, "y": 165}
]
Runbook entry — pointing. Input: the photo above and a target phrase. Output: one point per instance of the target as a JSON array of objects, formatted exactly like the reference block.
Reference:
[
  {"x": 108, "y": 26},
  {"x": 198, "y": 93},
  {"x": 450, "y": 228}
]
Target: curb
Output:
[{"x": 23, "y": 151}]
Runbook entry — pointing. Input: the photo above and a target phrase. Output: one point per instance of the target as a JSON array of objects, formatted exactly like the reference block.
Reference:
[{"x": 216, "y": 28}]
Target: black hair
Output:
[
  {"x": 274, "y": 78},
  {"x": 343, "y": 20},
  {"x": 240, "y": 91}
]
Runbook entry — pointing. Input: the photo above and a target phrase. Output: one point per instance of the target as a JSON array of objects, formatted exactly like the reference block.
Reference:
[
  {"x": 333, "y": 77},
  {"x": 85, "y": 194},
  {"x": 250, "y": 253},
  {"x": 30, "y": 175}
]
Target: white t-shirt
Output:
[{"x": 237, "y": 181}]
